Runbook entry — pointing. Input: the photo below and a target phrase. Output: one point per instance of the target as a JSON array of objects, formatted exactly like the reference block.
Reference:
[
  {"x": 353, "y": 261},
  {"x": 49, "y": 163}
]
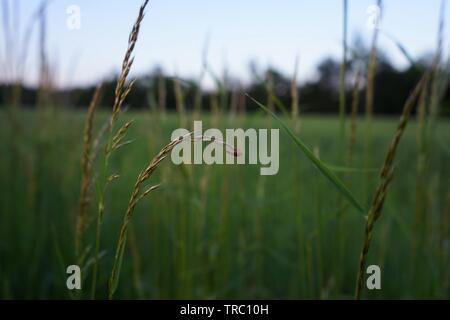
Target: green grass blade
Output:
[
  {"x": 337, "y": 183},
  {"x": 402, "y": 49},
  {"x": 114, "y": 278},
  {"x": 279, "y": 104}
]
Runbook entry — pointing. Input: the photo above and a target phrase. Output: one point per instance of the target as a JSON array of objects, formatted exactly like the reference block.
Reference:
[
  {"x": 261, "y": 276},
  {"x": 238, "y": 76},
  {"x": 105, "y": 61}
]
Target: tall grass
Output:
[
  {"x": 283, "y": 245},
  {"x": 343, "y": 71},
  {"x": 353, "y": 118},
  {"x": 136, "y": 196},
  {"x": 115, "y": 138},
  {"x": 386, "y": 175},
  {"x": 371, "y": 69},
  {"x": 82, "y": 219},
  {"x": 295, "y": 108},
  {"x": 369, "y": 96}
]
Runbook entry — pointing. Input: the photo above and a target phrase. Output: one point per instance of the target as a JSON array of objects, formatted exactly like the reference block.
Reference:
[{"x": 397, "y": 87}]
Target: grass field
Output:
[{"x": 223, "y": 231}]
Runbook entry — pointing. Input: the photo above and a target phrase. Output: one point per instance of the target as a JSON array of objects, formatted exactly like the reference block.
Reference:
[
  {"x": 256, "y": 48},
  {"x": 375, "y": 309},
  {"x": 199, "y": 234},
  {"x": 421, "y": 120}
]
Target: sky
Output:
[{"x": 174, "y": 33}]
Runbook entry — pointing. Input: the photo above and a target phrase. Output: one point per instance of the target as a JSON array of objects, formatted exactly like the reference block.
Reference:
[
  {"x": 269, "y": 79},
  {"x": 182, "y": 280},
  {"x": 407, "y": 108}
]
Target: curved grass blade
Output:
[
  {"x": 279, "y": 104},
  {"x": 323, "y": 168},
  {"x": 401, "y": 47}
]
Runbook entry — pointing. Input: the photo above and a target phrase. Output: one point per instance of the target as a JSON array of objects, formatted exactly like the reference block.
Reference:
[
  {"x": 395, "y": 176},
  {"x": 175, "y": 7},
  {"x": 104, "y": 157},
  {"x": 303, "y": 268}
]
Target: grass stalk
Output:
[
  {"x": 269, "y": 91},
  {"x": 295, "y": 109},
  {"x": 343, "y": 70},
  {"x": 179, "y": 102},
  {"x": 353, "y": 119},
  {"x": 436, "y": 85},
  {"x": 420, "y": 178},
  {"x": 86, "y": 169},
  {"x": 369, "y": 102},
  {"x": 136, "y": 263},
  {"x": 386, "y": 175},
  {"x": 294, "y": 92},
  {"x": 371, "y": 69},
  {"x": 114, "y": 140},
  {"x": 162, "y": 93},
  {"x": 137, "y": 195}
]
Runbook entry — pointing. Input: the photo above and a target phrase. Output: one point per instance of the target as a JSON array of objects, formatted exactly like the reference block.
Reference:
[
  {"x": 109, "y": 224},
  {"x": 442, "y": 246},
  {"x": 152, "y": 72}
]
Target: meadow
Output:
[
  {"x": 223, "y": 231},
  {"x": 93, "y": 188}
]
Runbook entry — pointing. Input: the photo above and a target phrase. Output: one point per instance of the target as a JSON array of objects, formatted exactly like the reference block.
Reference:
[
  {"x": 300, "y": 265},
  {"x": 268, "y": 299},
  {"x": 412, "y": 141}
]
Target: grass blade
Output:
[
  {"x": 323, "y": 168},
  {"x": 402, "y": 49}
]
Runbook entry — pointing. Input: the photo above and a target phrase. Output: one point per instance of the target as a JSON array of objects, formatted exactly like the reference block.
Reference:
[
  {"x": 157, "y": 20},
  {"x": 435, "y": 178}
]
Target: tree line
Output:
[{"x": 159, "y": 91}]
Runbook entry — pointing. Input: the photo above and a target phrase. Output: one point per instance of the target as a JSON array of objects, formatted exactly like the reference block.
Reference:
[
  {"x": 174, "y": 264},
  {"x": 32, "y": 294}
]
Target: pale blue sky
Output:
[{"x": 271, "y": 32}]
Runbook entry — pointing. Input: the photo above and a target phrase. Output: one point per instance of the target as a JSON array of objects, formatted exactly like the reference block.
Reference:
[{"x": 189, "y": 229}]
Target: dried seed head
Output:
[{"x": 230, "y": 149}]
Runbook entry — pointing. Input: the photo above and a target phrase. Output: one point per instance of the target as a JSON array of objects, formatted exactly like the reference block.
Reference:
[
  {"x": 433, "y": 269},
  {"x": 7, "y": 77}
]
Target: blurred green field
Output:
[{"x": 223, "y": 231}]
